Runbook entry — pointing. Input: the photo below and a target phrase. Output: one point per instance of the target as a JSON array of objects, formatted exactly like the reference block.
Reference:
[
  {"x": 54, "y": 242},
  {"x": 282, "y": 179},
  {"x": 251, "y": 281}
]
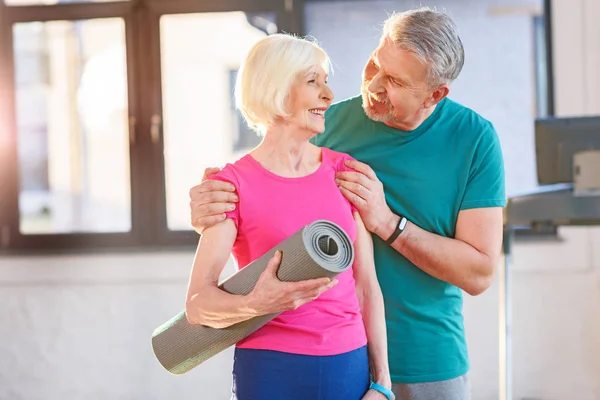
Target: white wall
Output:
[
  {"x": 556, "y": 324},
  {"x": 79, "y": 328},
  {"x": 576, "y": 37}
]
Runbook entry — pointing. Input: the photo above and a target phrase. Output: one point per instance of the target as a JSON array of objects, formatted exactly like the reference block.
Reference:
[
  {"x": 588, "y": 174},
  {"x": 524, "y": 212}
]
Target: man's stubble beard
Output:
[{"x": 370, "y": 112}]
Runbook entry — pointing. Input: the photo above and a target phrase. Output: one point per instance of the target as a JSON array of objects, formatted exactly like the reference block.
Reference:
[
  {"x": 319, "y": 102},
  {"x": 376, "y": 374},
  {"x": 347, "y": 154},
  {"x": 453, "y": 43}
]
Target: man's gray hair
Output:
[{"x": 433, "y": 37}]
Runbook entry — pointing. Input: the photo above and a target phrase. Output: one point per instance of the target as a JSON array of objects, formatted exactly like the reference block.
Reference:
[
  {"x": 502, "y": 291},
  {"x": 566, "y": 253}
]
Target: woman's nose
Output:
[{"x": 327, "y": 94}]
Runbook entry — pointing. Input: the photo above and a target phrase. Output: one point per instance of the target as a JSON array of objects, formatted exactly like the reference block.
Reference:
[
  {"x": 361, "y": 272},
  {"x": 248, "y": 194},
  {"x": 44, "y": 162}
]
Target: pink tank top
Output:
[{"x": 272, "y": 208}]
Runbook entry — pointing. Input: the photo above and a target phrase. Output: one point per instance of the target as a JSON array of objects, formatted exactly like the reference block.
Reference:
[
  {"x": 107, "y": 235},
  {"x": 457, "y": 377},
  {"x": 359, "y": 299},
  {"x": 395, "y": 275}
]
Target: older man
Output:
[{"x": 438, "y": 225}]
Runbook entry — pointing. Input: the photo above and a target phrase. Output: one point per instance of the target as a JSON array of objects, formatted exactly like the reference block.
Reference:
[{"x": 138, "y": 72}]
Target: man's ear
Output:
[{"x": 437, "y": 95}]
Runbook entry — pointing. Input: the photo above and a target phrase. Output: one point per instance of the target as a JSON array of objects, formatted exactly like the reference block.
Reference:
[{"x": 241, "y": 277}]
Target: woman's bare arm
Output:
[
  {"x": 208, "y": 305},
  {"x": 371, "y": 304}
]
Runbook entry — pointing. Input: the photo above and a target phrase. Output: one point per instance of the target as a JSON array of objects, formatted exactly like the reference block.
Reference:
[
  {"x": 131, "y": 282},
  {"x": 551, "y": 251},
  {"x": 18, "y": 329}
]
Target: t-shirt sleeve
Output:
[
  {"x": 227, "y": 174},
  {"x": 341, "y": 166},
  {"x": 485, "y": 185}
]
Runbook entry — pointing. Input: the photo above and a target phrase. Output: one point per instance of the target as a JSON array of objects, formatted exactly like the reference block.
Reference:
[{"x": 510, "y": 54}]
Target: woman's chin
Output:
[
  {"x": 316, "y": 129},
  {"x": 319, "y": 130}
]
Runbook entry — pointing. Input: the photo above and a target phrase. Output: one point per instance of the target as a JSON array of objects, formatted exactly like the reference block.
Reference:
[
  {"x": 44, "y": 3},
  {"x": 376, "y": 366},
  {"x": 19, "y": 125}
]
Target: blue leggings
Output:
[{"x": 273, "y": 375}]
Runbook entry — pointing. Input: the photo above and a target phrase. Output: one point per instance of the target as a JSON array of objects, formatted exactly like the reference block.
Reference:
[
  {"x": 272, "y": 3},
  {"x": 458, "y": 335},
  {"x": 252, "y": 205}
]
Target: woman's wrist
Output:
[
  {"x": 385, "y": 391},
  {"x": 386, "y": 383},
  {"x": 382, "y": 378}
]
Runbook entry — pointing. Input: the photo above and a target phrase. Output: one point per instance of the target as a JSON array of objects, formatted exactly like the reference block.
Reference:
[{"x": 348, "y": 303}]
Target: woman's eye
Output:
[{"x": 312, "y": 81}]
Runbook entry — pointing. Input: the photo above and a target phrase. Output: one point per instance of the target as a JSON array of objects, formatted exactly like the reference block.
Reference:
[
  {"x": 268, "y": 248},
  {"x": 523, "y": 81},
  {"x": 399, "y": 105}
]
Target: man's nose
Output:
[{"x": 375, "y": 84}]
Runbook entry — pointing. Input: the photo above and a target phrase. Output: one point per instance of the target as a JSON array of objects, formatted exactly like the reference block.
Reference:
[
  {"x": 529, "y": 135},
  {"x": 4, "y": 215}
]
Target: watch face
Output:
[{"x": 402, "y": 223}]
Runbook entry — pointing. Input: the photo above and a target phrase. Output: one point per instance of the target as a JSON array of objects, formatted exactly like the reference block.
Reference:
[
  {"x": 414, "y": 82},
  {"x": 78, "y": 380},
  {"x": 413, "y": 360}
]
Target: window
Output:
[
  {"x": 244, "y": 138},
  {"x": 112, "y": 110},
  {"x": 201, "y": 126},
  {"x": 71, "y": 108}
]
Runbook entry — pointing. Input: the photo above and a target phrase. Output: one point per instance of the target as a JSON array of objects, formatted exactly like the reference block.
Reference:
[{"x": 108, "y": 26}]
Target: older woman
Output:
[{"x": 330, "y": 339}]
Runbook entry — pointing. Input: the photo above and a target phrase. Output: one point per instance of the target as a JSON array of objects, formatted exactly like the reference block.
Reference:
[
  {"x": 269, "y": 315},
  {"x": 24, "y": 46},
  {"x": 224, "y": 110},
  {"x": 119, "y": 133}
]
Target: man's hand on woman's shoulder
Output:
[{"x": 210, "y": 200}]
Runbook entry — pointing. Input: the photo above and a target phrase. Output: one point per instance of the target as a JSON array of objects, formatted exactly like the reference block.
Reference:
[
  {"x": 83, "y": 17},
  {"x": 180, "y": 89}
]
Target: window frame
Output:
[{"x": 149, "y": 229}]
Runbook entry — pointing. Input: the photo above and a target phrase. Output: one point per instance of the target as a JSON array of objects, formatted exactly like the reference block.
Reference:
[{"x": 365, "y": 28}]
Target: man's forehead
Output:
[
  {"x": 380, "y": 56},
  {"x": 397, "y": 62}
]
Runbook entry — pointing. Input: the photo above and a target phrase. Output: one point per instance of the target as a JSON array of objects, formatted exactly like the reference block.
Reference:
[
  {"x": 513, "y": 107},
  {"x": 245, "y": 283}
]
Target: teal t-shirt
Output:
[{"x": 451, "y": 162}]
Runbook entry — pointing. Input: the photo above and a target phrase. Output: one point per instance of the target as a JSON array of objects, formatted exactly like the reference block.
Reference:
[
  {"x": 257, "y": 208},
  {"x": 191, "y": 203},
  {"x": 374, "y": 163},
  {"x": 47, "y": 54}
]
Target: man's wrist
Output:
[{"x": 388, "y": 228}]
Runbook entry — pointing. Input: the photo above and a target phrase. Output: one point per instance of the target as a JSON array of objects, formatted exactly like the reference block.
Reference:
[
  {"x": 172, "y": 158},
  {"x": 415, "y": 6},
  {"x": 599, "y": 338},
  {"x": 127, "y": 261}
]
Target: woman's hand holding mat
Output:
[{"x": 270, "y": 295}]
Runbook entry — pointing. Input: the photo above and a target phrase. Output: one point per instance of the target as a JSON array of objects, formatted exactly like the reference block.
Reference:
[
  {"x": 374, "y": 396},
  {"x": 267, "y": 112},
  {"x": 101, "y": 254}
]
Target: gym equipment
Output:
[{"x": 568, "y": 169}]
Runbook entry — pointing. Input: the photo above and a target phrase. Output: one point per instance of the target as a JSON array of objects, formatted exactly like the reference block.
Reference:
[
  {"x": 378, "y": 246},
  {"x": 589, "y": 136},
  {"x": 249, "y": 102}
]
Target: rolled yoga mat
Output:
[{"x": 320, "y": 249}]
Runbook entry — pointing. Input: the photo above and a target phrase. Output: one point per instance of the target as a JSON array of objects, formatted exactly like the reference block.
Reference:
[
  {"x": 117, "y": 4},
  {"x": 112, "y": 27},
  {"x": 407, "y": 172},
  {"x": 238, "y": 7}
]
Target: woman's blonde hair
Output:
[{"x": 265, "y": 78}]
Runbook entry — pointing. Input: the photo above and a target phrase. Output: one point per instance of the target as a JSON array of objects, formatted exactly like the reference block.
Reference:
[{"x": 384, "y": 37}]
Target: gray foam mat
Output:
[{"x": 320, "y": 249}]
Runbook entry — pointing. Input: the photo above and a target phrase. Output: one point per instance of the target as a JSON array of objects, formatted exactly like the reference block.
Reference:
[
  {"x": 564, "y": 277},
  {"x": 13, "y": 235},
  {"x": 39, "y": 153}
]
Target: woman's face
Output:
[{"x": 309, "y": 98}]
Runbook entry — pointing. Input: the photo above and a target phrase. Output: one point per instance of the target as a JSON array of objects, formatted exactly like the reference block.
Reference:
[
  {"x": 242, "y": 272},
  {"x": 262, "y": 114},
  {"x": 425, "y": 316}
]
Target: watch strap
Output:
[
  {"x": 399, "y": 229},
  {"x": 383, "y": 390}
]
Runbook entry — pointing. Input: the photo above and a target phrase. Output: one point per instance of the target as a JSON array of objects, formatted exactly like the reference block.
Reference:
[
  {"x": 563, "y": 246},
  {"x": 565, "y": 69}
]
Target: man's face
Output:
[{"x": 395, "y": 89}]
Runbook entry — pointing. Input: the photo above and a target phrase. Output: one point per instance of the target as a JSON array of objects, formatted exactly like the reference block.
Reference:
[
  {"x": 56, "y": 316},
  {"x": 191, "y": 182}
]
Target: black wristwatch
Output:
[{"x": 399, "y": 229}]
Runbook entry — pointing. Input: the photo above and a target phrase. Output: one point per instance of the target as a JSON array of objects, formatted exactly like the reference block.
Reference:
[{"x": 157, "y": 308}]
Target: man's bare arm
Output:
[{"x": 467, "y": 261}]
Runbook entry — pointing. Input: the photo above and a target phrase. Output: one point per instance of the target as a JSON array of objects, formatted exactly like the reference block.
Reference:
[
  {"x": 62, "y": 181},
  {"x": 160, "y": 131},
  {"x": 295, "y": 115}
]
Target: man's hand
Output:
[
  {"x": 365, "y": 191},
  {"x": 210, "y": 200}
]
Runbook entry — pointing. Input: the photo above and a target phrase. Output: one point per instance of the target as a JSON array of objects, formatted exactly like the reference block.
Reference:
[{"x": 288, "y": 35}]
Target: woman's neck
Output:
[{"x": 287, "y": 153}]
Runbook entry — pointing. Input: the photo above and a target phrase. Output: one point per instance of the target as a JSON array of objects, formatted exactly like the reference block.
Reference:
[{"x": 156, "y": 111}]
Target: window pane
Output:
[
  {"x": 50, "y": 2},
  {"x": 72, "y": 126},
  {"x": 201, "y": 125}
]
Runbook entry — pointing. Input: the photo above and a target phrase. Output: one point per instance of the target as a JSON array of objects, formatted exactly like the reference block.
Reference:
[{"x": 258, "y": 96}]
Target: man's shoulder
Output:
[
  {"x": 469, "y": 122},
  {"x": 467, "y": 114}
]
